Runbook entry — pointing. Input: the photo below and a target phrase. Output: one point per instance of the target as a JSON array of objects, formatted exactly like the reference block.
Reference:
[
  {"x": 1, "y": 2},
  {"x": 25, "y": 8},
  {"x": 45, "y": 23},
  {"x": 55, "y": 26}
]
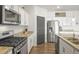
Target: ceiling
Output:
[
  {"x": 54, "y": 7},
  {"x": 62, "y": 7}
]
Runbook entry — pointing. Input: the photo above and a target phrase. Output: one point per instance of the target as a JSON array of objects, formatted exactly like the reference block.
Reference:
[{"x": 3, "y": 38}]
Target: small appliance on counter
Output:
[{"x": 25, "y": 30}]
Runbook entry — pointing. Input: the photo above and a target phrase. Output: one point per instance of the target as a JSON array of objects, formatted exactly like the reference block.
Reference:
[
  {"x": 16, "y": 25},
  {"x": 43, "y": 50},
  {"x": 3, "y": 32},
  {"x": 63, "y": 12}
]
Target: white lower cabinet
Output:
[
  {"x": 76, "y": 51},
  {"x": 65, "y": 48},
  {"x": 30, "y": 43}
]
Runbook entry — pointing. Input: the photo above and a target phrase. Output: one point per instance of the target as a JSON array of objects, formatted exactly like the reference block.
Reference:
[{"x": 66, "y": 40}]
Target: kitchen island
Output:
[{"x": 68, "y": 44}]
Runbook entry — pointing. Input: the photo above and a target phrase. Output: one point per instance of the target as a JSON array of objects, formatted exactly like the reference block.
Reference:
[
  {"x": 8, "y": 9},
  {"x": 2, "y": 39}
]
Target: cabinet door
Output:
[
  {"x": 61, "y": 47},
  {"x": 68, "y": 49},
  {"x": 28, "y": 41},
  {"x": 33, "y": 40},
  {"x": 8, "y": 7},
  {"x": 29, "y": 44},
  {"x": 65, "y": 48},
  {"x": 76, "y": 51},
  {"x": 21, "y": 12},
  {"x": 24, "y": 49},
  {"x": 24, "y": 16},
  {"x": 16, "y": 8},
  {"x": 13, "y": 7}
]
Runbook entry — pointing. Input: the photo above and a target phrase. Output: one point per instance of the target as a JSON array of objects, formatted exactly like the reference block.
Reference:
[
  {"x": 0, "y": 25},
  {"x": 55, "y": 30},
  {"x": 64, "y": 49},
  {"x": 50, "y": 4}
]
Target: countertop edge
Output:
[
  {"x": 7, "y": 49},
  {"x": 70, "y": 43}
]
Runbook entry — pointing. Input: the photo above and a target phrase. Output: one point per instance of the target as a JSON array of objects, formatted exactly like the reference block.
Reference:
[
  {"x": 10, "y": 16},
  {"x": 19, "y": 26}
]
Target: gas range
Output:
[
  {"x": 16, "y": 42},
  {"x": 12, "y": 41}
]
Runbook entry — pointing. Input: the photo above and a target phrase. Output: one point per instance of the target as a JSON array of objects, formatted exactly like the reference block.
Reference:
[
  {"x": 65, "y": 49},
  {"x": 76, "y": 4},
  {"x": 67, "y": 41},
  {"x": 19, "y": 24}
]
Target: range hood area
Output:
[{"x": 9, "y": 16}]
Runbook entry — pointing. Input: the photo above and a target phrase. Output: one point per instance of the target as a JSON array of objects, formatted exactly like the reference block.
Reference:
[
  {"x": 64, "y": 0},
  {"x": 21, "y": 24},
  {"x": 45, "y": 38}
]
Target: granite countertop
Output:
[
  {"x": 24, "y": 34},
  {"x": 76, "y": 46},
  {"x": 5, "y": 50}
]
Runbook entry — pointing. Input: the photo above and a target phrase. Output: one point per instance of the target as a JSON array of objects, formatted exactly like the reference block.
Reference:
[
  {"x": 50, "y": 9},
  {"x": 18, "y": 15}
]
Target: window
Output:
[{"x": 60, "y": 14}]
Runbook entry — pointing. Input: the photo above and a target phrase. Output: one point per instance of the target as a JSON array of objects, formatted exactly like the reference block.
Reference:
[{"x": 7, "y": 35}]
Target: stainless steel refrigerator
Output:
[{"x": 52, "y": 30}]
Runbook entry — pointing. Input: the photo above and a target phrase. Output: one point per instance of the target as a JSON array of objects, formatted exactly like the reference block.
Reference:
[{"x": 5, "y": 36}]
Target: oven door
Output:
[{"x": 22, "y": 48}]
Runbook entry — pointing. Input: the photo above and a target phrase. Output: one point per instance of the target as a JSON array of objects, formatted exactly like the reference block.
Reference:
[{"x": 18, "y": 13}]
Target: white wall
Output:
[
  {"x": 39, "y": 11},
  {"x": 66, "y": 22},
  {"x": 32, "y": 21},
  {"x": 16, "y": 28},
  {"x": 33, "y": 12}
]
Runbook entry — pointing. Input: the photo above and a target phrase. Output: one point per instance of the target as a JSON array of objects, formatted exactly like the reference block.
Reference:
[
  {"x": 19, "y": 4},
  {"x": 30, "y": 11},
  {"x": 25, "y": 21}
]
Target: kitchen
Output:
[{"x": 23, "y": 27}]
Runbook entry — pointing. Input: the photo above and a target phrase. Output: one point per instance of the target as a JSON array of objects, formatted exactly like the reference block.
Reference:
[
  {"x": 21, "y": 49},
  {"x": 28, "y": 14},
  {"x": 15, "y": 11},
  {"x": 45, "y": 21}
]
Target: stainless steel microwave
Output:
[{"x": 9, "y": 16}]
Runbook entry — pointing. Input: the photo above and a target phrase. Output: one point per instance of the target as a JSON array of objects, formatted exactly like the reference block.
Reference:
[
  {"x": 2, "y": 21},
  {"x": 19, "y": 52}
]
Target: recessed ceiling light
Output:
[
  {"x": 58, "y": 7},
  {"x": 73, "y": 19}
]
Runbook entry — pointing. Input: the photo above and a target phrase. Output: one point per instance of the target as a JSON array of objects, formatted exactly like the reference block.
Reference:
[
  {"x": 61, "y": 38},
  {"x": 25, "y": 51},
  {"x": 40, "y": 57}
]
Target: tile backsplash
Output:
[{"x": 16, "y": 29}]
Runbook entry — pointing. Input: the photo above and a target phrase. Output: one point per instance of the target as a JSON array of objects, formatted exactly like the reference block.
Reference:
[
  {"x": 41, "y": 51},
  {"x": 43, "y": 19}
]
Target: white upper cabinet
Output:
[
  {"x": 8, "y": 6},
  {"x": 12, "y": 7},
  {"x": 24, "y": 16},
  {"x": 21, "y": 12},
  {"x": 16, "y": 8}
]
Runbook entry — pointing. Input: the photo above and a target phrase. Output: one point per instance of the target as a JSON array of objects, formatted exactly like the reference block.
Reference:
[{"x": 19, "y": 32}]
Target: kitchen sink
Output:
[
  {"x": 73, "y": 40},
  {"x": 77, "y": 43}
]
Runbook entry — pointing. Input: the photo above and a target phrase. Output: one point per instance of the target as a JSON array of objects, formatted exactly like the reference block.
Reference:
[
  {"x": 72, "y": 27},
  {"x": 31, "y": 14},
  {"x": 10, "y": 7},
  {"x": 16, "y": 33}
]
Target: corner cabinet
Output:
[{"x": 65, "y": 48}]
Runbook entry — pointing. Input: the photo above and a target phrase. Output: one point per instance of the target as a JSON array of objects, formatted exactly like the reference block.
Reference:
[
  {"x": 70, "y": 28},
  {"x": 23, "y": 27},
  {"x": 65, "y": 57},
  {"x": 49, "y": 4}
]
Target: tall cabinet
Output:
[
  {"x": 40, "y": 29},
  {"x": 24, "y": 16}
]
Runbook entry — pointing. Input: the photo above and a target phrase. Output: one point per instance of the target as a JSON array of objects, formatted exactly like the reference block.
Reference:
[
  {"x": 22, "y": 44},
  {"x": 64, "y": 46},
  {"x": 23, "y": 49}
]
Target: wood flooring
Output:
[{"x": 46, "y": 48}]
